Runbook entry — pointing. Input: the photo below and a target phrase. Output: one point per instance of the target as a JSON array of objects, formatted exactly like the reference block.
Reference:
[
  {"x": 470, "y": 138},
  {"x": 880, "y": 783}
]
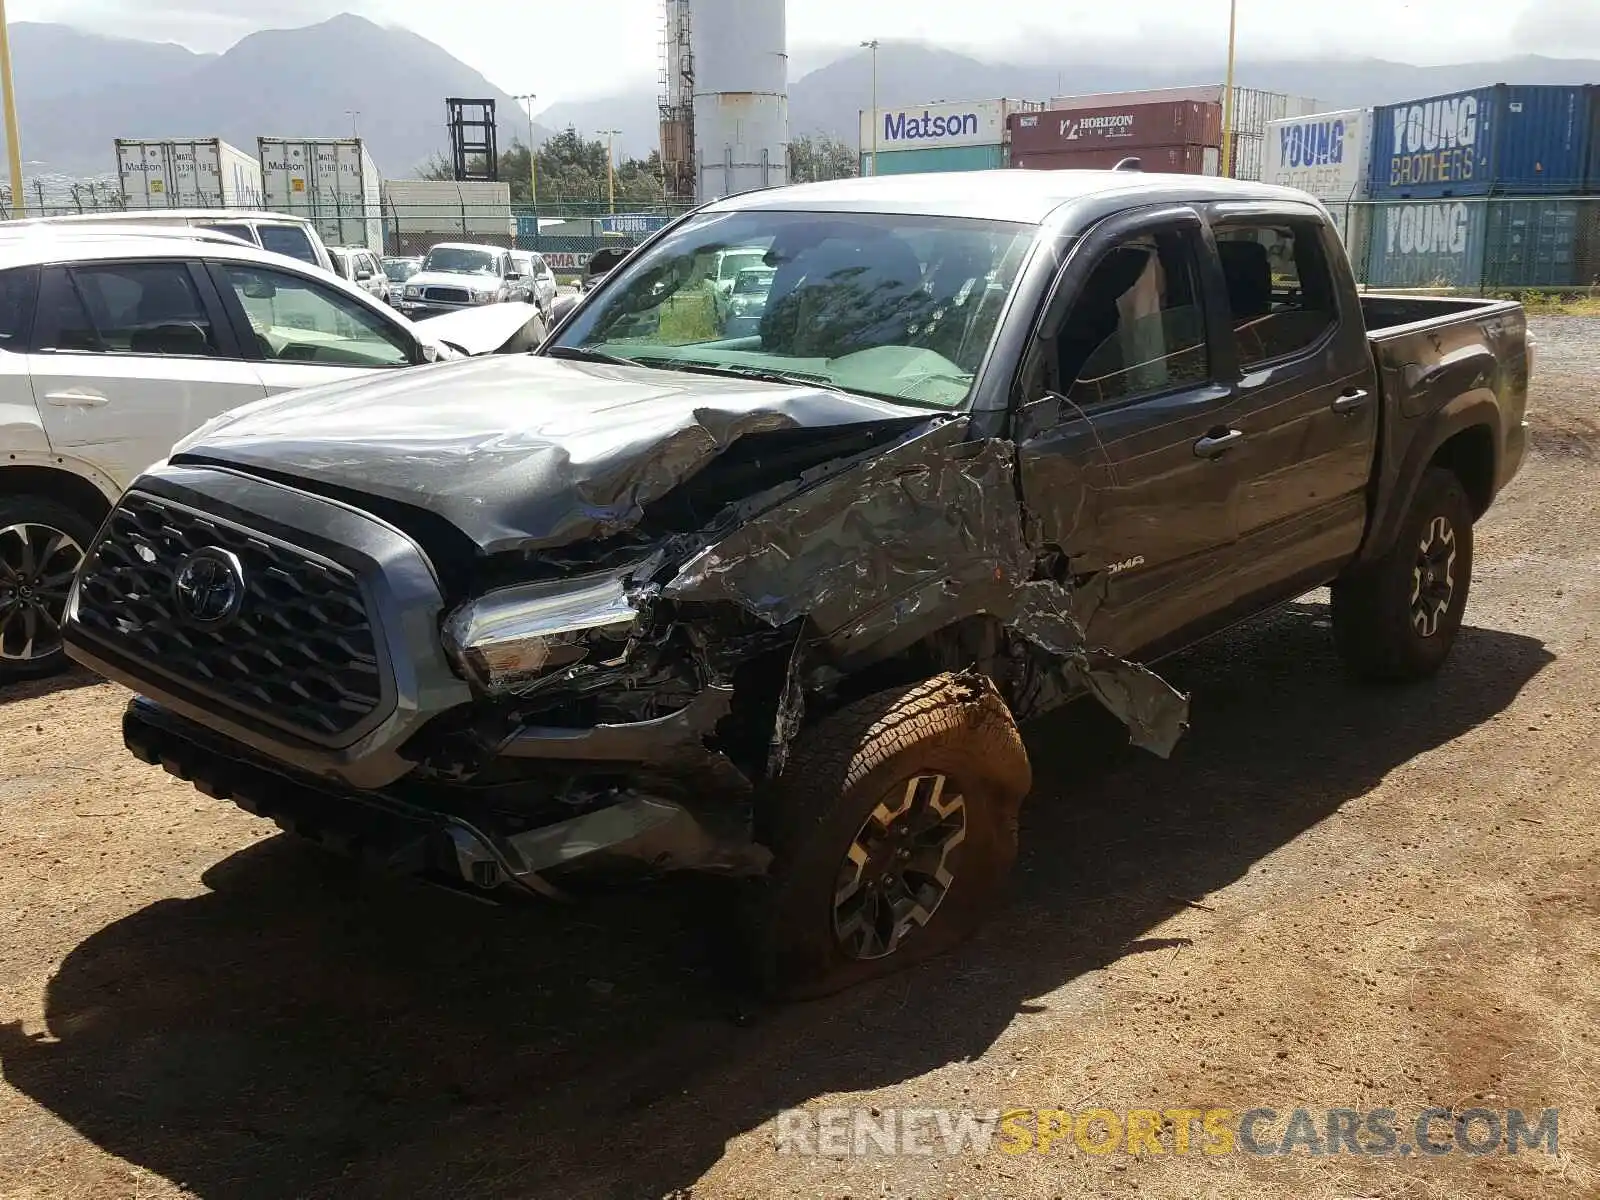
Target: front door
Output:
[
  {"x": 302, "y": 333},
  {"x": 129, "y": 357},
  {"x": 1128, "y": 444}
]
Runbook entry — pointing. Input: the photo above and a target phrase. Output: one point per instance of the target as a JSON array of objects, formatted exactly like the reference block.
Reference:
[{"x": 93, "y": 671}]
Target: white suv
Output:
[{"x": 113, "y": 346}]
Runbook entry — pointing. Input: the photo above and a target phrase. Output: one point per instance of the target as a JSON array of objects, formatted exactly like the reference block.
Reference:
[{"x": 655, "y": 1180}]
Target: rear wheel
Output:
[
  {"x": 893, "y": 830},
  {"x": 1398, "y": 620},
  {"x": 42, "y": 543}
]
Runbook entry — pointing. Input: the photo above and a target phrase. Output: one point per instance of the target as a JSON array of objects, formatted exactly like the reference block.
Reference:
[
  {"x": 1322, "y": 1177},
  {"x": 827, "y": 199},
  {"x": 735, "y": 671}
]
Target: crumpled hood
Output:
[
  {"x": 485, "y": 329},
  {"x": 521, "y": 452}
]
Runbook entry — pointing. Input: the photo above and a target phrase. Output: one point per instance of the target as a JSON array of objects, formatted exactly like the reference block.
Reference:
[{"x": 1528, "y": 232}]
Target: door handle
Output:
[
  {"x": 1218, "y": 445},
  {"x": 1351, "y": 401},
  {"x": 76, "y": 398}
]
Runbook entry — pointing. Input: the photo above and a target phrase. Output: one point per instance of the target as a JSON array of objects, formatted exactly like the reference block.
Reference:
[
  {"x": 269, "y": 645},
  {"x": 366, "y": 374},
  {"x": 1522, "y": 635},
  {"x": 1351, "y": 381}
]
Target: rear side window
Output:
[
  {"x": 1137, "y": 327},
  {"x": 1280, "y": 288},
  {"x": 290, "y": 240},
  {"x": 133, "y": 308},
  {"x": 239, "y": 231},
  {"x": 16, "y": 307}
]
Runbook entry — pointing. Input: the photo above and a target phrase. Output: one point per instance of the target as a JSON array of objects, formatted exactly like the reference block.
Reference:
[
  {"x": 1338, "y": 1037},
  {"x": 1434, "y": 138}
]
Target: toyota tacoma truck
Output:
[{"x": 773, "y": 604}]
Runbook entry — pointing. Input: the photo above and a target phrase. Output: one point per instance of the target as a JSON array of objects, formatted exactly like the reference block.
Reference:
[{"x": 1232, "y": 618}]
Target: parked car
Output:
[
  {"x": 600, "y": 264},
  {"x": 773, "y": 606},
  {"x": 360, "y": 266},
  {"x": 397, "y": 271},
  {"x": 537, "y": 280},
  {"x": 116, "y": 342},
  {"x": 748, "y": 301},
  {"x": 457, "y": 275},
  {"x": 291, "y": 236}
]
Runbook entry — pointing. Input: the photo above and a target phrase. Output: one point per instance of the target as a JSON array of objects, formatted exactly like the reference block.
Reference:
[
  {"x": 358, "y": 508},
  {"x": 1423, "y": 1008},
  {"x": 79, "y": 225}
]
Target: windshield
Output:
[
  {"x": 399, "y": 269},
  {"x": 459, "y": 260},
  {"x": 900, "y": 307}
]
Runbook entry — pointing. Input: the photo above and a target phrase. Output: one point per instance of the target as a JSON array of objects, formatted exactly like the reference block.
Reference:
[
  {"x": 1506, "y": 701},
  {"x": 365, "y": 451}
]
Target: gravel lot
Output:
[{"x": 1331, "y": 896}]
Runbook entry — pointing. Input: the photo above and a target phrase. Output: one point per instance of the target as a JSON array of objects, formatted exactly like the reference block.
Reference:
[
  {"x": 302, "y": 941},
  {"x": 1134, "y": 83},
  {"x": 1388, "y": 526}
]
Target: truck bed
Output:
[{"x": 1386, "y": 315}]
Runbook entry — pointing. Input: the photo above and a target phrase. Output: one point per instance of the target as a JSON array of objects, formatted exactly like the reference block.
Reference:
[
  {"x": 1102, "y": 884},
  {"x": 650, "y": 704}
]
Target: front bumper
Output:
[{"x": 391, "y": 833}]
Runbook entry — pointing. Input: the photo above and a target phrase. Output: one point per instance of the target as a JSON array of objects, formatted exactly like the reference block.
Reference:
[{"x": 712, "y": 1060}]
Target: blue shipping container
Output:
[
  {"x": 1495, "y": 140},
  {"x": 1542, "y": 243},
  {"x": 1592, "y": 180},
  {"x": 1418, "y": 244},
  {"x": 935, "y": 158}
]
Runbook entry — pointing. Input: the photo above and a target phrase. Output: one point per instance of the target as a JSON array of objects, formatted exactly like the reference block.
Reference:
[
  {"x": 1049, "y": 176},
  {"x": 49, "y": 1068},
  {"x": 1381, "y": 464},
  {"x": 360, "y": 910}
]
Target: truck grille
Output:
[
  {"x": 445, "y": 295},
  {"x": 299, "y": 651}
]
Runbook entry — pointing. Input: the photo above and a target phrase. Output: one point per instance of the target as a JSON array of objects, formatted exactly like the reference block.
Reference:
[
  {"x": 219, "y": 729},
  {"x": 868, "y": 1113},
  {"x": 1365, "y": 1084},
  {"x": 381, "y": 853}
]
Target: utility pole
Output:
[
  {"x": 873, "y": 46},
  {"x": 526, "y": 100},
  {"x": 8, "y": 94},
  {"x": 611, "y": 168},
  {"x": 355, "y": 121},
  {"x": 1227, "y": 96}
]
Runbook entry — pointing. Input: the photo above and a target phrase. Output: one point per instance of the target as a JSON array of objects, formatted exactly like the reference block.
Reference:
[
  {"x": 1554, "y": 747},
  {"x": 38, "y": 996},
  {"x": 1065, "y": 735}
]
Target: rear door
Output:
[
  {"x": 128, "y": 357},
  {"x": 1128, "y": 439},
  {"x": 1309, "y": 393},
  {"x": 299, "y": 332}
]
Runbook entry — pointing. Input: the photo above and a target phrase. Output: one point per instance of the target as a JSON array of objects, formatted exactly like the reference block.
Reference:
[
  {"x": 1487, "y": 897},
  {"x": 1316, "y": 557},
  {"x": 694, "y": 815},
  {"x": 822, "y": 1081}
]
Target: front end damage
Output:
[{"x": 617, "y": 686}]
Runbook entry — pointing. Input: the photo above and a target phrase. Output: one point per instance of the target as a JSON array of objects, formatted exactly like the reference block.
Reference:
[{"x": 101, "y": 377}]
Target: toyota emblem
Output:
[{"x": 209, "y": 586}]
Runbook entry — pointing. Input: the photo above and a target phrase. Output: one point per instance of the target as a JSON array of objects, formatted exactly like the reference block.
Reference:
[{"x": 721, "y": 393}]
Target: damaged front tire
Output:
[{"x": 893, "y": 829}]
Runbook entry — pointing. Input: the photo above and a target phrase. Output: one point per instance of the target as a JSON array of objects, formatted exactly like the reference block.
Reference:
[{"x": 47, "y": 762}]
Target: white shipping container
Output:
[
  {"x": 944, "y": 123},
  {"x": 331, "y": 182},
  {"x": 187, "y": 173},
  {"x": 475, "y": 207},
  {"x": 1325, "y": 154}
]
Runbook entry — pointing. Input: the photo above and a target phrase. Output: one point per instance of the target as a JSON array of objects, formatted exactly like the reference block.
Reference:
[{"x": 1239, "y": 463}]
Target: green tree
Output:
[{"x": 817, "y": 157}]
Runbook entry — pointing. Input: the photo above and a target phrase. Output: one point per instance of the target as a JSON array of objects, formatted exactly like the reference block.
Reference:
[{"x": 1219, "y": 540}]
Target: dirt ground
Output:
[{"x": 1330, "y": 897}]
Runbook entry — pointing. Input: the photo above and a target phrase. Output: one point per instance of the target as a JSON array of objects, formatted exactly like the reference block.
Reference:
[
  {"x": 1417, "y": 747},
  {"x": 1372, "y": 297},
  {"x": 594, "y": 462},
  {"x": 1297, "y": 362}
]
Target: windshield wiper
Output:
[
  {"x": 584, "y": 354},
  {"x": 759, "y": 374}
]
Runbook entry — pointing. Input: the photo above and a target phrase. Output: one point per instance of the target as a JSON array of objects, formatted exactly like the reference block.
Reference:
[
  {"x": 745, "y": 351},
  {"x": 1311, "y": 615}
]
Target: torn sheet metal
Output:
[
  {"x": 523, "y": 452},
  {"x": 910, "y": 542}
]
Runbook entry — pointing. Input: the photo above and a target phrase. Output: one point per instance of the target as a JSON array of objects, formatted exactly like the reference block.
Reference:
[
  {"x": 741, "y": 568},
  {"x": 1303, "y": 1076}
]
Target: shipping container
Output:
[
  {"x": 331, "y": 182},
  {"x": 942, "y": 125},
  {"x": 187, "y": 173},
  {"x": 1327, "y": 155},
  {"x": 1592, "y": 156},
  {"x": 1494, "y": 140},
  {"x": 938, "y": 158},
  {"x": 1253, "y": 108},
  {"x": 1165, "y": 160},
  {"x": 453, "y": 211},
  {"x": 1129, "y": 127},
  {"x": 1416, "y": 244},
  {"x": 1543, "y": 243}
]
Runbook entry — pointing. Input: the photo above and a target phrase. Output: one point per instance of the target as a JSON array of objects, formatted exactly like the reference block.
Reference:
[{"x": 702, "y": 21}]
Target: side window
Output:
[
  {"x": 133, "y": 308},
  {"x": 242, "y": 232},
  {"x": 1280, "y": 288},
  {"x": 1137, "y": 327},
  {"x": 16, "y": 307},
  {"x": 295, "y": 320},
  {"x": 290, "y": 240}
]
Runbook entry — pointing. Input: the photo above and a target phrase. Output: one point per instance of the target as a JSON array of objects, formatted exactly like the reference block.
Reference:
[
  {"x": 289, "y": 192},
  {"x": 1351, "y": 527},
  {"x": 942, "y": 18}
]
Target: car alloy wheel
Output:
[
  {"x": 897, "y": 871},
  {"x": 1433, "y": 582},
  {"x": 37, "y": 563}
]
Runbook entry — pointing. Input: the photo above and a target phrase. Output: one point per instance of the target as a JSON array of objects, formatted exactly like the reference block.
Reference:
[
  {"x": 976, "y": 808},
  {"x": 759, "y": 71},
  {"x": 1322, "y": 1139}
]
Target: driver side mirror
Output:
[
  {"x": 257, "y": 287},
  {"x": 363, "y": 275}
]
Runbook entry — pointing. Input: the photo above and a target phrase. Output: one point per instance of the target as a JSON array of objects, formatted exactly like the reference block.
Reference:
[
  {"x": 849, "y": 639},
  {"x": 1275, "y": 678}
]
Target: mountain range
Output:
[{"x": 77, "y": 91}]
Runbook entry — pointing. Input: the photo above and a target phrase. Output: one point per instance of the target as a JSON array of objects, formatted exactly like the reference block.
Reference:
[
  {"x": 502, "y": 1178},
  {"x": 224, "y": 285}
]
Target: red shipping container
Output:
[
  {"x": 1130, "y": 127},
  {"x": 1165, "y": 160}
]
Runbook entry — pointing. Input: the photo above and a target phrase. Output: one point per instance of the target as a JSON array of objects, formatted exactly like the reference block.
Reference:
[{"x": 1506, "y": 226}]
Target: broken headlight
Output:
[{"x": 514, "y": 635}]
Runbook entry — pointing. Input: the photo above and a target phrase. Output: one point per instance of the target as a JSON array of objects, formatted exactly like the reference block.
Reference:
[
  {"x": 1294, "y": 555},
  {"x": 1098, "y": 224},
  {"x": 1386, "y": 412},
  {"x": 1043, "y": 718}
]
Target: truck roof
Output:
[{"x": 1021, "y": 196}]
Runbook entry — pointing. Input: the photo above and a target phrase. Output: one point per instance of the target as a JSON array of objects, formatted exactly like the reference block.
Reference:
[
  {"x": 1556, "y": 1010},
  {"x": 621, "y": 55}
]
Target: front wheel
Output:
[
  {"x": 1398, "y": 620},
  {"x": 42, "y": 543},
  {"x": 893, "y": 829}
]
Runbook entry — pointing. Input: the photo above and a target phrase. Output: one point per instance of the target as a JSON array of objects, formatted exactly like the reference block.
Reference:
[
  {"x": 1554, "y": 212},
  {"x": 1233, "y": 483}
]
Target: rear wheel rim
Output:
[
  {"x": 900, "y": 867},
  {"x": 1433, "y": 577},
  {"x": 37, "y": 563}
]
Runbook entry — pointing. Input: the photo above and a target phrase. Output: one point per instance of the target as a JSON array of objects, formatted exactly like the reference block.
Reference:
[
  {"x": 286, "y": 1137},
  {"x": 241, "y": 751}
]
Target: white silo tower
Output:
[{"x": 741, "y": 95}]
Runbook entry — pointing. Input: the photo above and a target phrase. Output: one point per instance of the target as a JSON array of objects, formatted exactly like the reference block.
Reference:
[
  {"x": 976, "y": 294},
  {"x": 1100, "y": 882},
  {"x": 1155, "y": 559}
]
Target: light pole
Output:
[
  {"x": 355, "y": 121},
  {"x": 1227, "y": 94},
  {"x": 526, "y": 101},
  {"x": 611, "y": 169},
  {"x": 873, "y": 46},
  {"x": 8, "y": 94}
]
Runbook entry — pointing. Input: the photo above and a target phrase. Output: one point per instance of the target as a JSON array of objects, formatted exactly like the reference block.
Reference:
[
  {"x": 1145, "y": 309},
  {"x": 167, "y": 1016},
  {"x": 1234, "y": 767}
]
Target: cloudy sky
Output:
[{"x": 551, "y": 46}]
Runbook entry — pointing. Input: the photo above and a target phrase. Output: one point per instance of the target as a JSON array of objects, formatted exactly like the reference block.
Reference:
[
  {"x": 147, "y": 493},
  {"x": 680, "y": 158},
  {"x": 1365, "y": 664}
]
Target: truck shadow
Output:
[
  {"x": 302, "y": 1030},
  {"x": 36, "y": 689}
]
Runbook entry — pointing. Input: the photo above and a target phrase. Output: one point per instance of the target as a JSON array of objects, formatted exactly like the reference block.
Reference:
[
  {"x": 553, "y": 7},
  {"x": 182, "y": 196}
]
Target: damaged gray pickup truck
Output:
[{"x": 772, "y": 604}]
